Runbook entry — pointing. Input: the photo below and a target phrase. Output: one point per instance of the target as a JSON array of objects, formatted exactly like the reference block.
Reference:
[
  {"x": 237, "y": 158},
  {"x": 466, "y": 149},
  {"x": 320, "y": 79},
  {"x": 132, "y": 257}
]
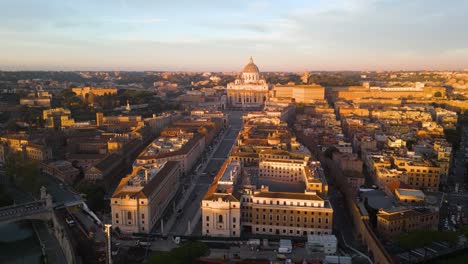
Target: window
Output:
[
  {"x": 233, "y": 219},
  {"x": 220, "y": 218},
  {"x": 116, "y": 215},
  {"x": 142, "y": 216},
  {"x": 207, "y": 218},
  {"x": 129, "y": 215}
]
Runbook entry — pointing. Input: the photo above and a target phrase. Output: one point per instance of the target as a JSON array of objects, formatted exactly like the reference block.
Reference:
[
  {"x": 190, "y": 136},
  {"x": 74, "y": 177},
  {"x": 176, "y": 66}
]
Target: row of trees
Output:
[
  {"x": 82, "y": 109},
  {"x": 187, "y": 253},
  {"x": 24, "y": 173},
  {"x": 5, "y": 198},
  {"x": 423, "y": 238}
]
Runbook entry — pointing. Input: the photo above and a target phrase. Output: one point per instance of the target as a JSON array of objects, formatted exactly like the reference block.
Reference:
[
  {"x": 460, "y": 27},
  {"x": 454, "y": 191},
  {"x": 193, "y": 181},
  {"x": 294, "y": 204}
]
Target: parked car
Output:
[{"x": 70, "y": 221}]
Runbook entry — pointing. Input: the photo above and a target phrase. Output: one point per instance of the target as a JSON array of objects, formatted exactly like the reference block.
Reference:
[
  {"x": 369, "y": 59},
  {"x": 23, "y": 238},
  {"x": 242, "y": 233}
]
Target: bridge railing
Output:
[
  {"x": 29, "y": 204},
  {"x": 22, "y": 210}
]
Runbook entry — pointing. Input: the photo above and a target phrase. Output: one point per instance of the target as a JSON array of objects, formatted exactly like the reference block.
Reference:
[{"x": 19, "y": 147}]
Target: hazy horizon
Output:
[{"x": 207, "y": 35}]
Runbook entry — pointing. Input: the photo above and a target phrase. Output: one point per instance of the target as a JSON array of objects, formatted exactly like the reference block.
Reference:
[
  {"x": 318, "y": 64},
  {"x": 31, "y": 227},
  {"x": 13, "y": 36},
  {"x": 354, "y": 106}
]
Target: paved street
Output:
[
  {"x": 191, "y": 208},
  {"x": 51, "y": 245},
  {"x": 458, "y": 177},
  {"x": 61, "y": 193}
]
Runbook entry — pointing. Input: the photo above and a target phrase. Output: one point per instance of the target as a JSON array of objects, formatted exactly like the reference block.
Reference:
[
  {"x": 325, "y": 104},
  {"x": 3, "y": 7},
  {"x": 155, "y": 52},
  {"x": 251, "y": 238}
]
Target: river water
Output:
[{"x": 18, "y": 244}]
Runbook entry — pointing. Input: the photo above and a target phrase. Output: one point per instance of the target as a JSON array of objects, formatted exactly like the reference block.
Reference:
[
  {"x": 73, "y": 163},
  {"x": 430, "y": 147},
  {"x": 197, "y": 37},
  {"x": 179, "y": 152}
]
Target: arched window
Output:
[
  {"x": 129, "y": 215},
  {"x": 220, "y": 218}
]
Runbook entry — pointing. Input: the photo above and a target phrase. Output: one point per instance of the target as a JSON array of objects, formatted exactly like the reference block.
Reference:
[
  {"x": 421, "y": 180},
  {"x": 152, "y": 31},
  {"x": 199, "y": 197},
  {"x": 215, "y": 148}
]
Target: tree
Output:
[
  {"x": 5, "y": 198},
  {"x": 94, "y": 195},
  {"x": 23, "y": 172},
  {"x": 423, "y": 237}
]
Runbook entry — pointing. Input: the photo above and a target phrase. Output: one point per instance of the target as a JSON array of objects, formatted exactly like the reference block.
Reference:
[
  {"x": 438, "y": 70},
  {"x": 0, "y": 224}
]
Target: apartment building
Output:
[
  {"x": 282, "y": 165},
  {"x": 301, "y": 93},
  {"x": 141, "y": 197},
  {"x": 285, "y": 213},
  {"x": 183, "y": 147},
  {"x": 57, "y": 118},
  {"x": 395, "y": 221},
  {"x": 421, "y": 173}
]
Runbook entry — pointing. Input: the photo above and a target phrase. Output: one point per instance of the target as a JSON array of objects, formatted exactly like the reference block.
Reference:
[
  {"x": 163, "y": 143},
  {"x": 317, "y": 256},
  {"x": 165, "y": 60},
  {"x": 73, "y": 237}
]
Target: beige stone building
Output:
[
  {"x": 282, "y": 165},
  {"x": 300, "y": 93},
  {"x": 221, "y": 215},
  {"x": 220, "y": 207},
  {"x": 392, "y": 222},
  {"x": 285, "y": 213},
  {"x": 184, "y": 147},
  {"x": 57, "y": 118},
  {"x": 21, "y": 143},
  {"x": 365, "y": 91},
  {"x": 421, "y": 173},
  {"x": 141, "y": 197},
  {"x": 95, "y": 91}
]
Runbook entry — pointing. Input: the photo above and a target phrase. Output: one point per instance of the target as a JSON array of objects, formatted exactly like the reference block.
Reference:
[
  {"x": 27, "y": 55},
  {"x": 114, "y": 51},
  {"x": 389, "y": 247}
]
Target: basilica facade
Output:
[{"x": 249, "y": 91}]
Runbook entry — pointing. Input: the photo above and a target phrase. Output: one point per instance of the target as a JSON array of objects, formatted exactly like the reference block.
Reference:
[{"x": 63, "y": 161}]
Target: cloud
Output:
[
  {"x": 257, "y": 6},
  {"x": 149, "y": 20}
]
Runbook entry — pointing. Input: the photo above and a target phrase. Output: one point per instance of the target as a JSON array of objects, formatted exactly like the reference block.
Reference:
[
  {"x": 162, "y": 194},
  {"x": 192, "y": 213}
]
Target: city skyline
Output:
[{"x": 213, "y": 36}]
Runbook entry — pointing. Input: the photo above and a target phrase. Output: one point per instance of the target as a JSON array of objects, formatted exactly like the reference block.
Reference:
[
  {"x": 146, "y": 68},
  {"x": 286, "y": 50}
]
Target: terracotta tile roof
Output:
[
  {"x": 287, "y": 195},
  {"x": 392, "y": 186}
]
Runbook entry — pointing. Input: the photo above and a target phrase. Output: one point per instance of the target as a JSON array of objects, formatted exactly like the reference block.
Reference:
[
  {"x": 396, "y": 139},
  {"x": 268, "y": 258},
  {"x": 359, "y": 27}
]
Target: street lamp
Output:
[{"x": 109, "y": 243}]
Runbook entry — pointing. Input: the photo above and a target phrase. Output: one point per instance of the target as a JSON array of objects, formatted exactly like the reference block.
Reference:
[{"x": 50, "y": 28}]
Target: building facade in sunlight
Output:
[
  {"x": 142, "y": 196},
  {"x": 250, "y": 90}
]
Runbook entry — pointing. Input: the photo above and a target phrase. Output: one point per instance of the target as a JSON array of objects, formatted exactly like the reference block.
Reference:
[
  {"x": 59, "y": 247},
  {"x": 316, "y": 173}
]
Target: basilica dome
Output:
[{"x": 251, "y": 67}]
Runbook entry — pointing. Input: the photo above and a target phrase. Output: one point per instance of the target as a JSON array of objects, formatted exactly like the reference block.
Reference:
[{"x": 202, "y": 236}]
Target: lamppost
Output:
[{"x": 109, "y": 243}]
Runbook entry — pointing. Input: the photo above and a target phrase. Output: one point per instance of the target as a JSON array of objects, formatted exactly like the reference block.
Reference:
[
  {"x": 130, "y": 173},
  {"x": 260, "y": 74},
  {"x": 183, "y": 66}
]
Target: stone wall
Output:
[{"x": 63, "y": 236}]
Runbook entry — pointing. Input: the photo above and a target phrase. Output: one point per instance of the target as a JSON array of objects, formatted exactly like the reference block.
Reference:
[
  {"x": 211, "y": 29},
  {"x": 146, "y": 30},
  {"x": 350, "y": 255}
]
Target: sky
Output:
[{"x": 221, "y": 35}]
